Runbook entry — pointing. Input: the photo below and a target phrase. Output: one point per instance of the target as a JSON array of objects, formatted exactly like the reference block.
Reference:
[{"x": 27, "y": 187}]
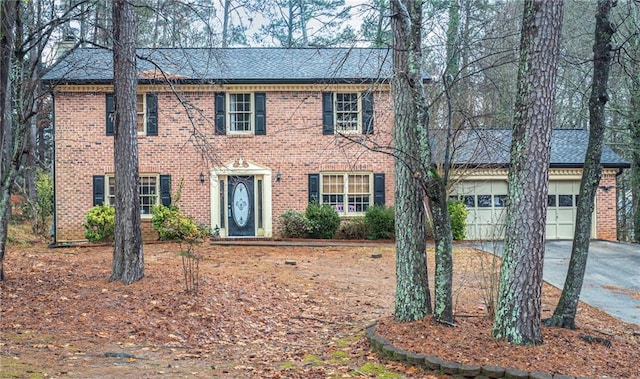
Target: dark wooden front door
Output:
[{"x": 241, "y": 216}]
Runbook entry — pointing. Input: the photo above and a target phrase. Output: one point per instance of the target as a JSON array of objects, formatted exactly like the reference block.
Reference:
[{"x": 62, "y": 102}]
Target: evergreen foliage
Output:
[
  {"x": 458, "y": 215},
  {"x": 380, "y": 222},
  {"x": 100, "y": 223},
  {"x": 294, "y": 225},
  {"x": 323, "y": 219}
]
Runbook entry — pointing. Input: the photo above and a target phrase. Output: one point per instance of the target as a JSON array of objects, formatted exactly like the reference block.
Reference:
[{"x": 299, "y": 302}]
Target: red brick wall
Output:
[
  {"x": 294, "y": 145},
  {"x": 606, "y": 226}
]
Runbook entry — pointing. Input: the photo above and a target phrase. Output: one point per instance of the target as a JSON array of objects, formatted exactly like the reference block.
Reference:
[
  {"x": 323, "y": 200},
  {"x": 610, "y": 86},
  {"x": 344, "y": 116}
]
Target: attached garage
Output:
[
  {"x": 480, "y": 175},
  {"x": 486, "y": 202}
]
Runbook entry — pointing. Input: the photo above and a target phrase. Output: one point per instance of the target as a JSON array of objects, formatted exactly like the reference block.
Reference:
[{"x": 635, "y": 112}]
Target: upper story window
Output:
[
  {"x": 146, "y": 114},
  {"x": 347, "y": 112},
  {"x": 240, "y": 113}
]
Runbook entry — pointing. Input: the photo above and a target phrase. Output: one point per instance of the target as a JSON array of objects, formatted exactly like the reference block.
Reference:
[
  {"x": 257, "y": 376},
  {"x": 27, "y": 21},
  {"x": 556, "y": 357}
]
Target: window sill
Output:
[{"x": 240, "y": 135}]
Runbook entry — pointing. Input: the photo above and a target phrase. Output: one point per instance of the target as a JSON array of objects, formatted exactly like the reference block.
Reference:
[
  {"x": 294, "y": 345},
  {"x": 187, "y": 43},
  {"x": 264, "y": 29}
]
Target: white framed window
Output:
[
  {"x": 141, "y": 114},
  {"x": 347, "y": 112},
  {"x": 347, "y": 192},
  {"x": 148, "y": 189},
  {"x": 240, "y": 112}
]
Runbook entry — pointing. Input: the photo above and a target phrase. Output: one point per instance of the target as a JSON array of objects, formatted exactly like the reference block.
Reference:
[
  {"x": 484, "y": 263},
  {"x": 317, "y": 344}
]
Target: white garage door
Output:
[
  {"x": 486, "y": 202},
  {"x": 561, "y": 212}
]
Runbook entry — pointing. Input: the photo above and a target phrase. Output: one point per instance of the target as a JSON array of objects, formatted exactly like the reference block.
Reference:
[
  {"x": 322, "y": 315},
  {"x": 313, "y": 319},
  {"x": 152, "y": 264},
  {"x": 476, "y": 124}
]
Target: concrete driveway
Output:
[{"x": 612, "y": 278}]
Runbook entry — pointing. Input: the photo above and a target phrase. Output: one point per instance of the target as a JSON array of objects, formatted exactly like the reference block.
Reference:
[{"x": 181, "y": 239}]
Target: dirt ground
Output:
[{"x": 258, "y": 315}]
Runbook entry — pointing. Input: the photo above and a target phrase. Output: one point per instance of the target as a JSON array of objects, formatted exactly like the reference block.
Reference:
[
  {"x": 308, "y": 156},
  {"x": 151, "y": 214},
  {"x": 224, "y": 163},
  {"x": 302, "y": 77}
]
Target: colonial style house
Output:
[{"x": 246, "y": 134}]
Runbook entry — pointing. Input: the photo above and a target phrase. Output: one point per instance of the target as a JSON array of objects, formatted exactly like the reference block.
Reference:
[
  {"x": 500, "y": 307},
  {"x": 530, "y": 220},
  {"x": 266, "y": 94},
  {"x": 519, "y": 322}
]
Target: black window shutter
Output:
[
  {"x": 152, "y": 114},
  {"x": 221, "y": 117},
  {"x": 261, "y": 113},
  {"x": 367, "y": 112},
  {"x": 314, "y": 188},
  {"x": 165, "y": 190},
  {"x": 327, "y": 113},
  {"x": 98, "y": 190},
  {"x": 378, "y": 189},
  {"x": 110, "y": 117}
]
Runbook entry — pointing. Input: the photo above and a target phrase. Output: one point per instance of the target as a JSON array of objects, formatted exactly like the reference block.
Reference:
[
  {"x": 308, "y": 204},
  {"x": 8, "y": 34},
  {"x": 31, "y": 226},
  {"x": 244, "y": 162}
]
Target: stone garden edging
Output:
[{"x": 432, "y": 363}]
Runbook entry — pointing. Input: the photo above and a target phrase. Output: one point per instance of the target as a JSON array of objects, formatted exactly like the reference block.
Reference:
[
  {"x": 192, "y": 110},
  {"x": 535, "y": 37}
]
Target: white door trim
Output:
[{"x": 240, "y": 167}]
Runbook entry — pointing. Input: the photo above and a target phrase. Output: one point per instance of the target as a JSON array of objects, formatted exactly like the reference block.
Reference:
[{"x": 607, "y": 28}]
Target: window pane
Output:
[
  {"x": 470, "y": 201},
  {"x": 222, "y": 205},
  {"x": 484, "y": 201},
  {"x": 111, "y": 191},
  {"x": 259, "y": 201},
  {"x": 551, "y": 200},
  {"x": 499, "y": 201},
  {"x": 240, "y": 112},
  {"x": 333, "y": 184},
  {"x": 148, "y": 193},
  {"x": 347, "y": 112},
  {"x": 565, "y": 200},
  {"x": 140, "y": 112},
  {"x": 358, "y": 203},
  {"x": 358, "y": 184}
]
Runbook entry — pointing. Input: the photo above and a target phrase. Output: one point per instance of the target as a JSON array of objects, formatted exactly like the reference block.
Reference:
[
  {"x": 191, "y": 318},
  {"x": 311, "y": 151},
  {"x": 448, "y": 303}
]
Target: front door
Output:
[{"x": 241, "y": 216}]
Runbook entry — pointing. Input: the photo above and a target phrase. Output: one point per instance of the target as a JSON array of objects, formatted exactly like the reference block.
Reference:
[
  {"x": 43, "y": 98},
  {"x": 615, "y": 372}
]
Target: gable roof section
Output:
[
  {"x": 232, "y": 65},
  {"x": 491, "y": 148}
]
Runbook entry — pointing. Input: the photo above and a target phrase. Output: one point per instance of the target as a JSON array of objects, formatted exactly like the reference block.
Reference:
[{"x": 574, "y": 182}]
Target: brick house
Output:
[{"x": 246, "y": 134}]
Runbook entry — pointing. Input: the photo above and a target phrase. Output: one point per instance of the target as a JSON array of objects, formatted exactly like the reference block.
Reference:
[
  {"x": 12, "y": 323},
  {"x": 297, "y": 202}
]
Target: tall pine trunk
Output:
[
  {"x": 9, "y": 138},
  {"x": 565, "y": 313},
  {"x": 413, "y": 298},
  {"x": 128, "y": 262},
  {"x": 518, "y": 314}
]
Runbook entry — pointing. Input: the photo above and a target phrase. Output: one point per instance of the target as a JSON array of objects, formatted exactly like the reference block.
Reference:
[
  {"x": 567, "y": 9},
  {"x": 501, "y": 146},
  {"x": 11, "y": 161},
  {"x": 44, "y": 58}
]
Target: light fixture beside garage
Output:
[{"x": 201, "y": 178}]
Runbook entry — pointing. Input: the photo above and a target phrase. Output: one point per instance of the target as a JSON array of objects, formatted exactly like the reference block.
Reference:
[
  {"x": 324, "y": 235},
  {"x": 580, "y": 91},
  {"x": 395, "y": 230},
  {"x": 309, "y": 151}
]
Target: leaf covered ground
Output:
[{"x": 259, "y": 316}]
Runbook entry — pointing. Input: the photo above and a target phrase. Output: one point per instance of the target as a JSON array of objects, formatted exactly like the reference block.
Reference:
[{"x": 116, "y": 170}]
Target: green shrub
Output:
[
  {"x": 324, "y": 220},
  {"x": 353, "y": 229},
  {"x": 43, "y": 208},
  {"x": 293, "y": 225},
  {"x": 100, "y": 223},
  {"x": 380, "y": 222},
  {"x": 171, "y": 224},
  {"x": 458, "y": 214}
]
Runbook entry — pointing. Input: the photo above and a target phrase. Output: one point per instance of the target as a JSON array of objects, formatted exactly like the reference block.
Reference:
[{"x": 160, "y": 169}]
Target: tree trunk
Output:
[
  {"x": 8, "y": 164},
  {"x": 443, "y": 303},
  {"x": 128, "y": 262},
  {"x": 635, "y": 145},
  {"x": 565, "y": 313},
  {"x": 518, "y": 312},
  {"x": 413, "y": 298}
]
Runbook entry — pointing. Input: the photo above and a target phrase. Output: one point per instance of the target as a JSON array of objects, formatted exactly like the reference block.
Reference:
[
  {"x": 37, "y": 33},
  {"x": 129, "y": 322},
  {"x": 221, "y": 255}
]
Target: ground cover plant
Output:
[{"x": 259, "y": 315}]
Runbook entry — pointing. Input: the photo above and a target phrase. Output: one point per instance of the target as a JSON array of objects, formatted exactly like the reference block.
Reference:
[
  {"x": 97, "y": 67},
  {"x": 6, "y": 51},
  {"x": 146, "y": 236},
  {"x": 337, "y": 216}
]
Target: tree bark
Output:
[
  {"x": 413, "y": 298},
  {"x": 635, "y": 143},
  {"x": 565, "y": 312},
  {"x": 518, "y": 312},
  {"x": 443, "y": 302},
  {"x": 128, "y": 262},
  {"x": 9, "y": 162}
]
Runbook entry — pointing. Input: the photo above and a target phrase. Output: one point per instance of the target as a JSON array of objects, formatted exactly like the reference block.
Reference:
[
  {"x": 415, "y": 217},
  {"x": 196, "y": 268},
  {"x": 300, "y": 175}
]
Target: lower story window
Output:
[
  {"x": 148, "y": 190},
  {"x": 347, "y": 193}
]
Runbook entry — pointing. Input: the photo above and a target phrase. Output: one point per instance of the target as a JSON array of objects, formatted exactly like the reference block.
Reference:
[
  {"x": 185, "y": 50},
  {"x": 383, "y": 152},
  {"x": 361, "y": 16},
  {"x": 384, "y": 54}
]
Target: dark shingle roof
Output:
[
  {"x": 491, "y": 147},
  {"x": 234, "y": 65}
]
